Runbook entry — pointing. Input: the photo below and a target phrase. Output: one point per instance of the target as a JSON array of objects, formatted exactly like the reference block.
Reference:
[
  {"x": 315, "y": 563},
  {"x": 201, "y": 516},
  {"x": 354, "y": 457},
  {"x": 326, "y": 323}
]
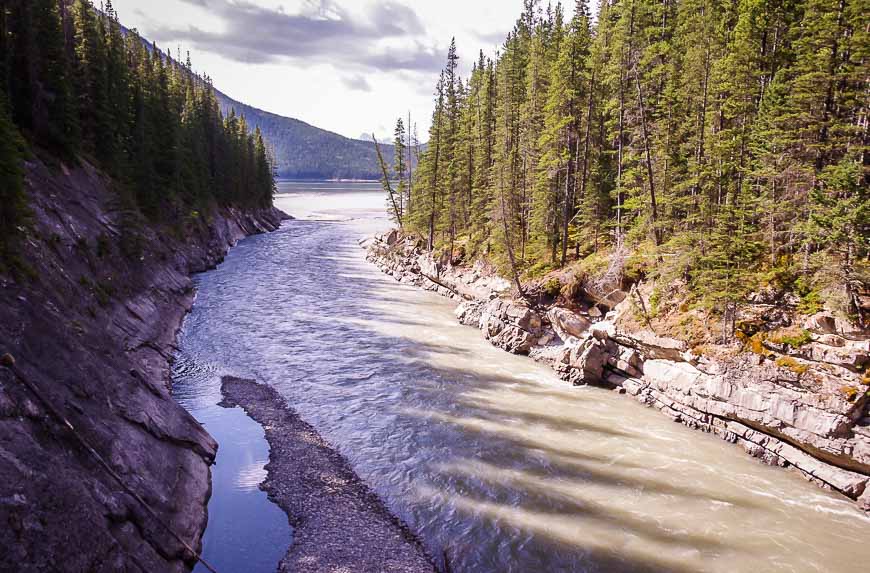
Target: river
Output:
[{"x": 489, "y": 457}]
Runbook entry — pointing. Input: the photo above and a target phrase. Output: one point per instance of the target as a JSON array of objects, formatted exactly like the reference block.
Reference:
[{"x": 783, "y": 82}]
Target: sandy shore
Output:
[{"x": 339, "y": 524}]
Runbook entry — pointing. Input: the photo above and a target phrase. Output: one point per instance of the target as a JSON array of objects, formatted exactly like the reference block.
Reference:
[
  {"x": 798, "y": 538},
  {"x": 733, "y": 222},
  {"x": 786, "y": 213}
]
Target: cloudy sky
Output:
[{"x": 349, "y": 66}]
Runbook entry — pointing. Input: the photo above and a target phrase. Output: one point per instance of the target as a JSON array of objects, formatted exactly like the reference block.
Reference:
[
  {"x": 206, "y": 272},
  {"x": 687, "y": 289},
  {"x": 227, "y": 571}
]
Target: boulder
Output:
[
  {"x": 514, "y": 340},
  {"x": 852, "y": 356},
  {"x": 469, "y": 312},
  {"x": 510, "y": 326},
  {"x": 864, "y": 500},
  {"x": 588, "y": 361},
  {"x": 831, "y": 340},
  {"x": 652, "y": 345},
  {"x": 822, "y": 323},
  {"x": 568, "y": 324}
]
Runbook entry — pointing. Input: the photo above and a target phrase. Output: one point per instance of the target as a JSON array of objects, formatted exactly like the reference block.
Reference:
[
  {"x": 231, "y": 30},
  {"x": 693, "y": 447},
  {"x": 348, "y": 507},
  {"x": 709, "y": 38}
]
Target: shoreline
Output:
[
  {"x": 339, "y": 523},
  {"x": 750, "y": 400},
  {"x": 93, "y": 330}
]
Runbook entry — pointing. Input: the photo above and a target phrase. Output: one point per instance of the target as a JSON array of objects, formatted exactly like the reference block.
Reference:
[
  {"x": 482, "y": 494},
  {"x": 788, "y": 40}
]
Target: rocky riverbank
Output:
[
  {"x": 339, "y": 523},
  {"x": 90, "y": 317},
  {"x": 803, "y": 406}
]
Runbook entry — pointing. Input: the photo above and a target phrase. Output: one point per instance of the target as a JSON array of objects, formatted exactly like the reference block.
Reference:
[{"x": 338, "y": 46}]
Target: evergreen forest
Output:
[
  {"x": 717, "y": 145},
  {"x": 76, "y": 86}
]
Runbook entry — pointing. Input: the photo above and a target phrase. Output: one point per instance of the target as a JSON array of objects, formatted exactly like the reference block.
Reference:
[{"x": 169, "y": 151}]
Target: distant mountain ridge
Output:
[{"x": 303, "y": 151}]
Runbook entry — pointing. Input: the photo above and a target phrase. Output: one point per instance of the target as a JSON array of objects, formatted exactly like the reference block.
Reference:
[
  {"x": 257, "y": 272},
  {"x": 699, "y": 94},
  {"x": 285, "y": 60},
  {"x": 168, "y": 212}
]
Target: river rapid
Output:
[{"x": 490, "y": 458}]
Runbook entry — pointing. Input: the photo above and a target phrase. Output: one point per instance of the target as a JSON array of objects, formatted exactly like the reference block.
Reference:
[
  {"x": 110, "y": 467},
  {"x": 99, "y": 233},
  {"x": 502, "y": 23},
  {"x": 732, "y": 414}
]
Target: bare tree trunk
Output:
[
  {"x": 434, "y": 190},
  {"x": 619, "y": 159},
  {"x": 554, "y": 237},
  {"x": 386, "y": 182},
  {"x": 523, "y": 217},
  {"x": 621, "y": 150},
  {"x": 410, "y": 165},
  {"x": 567, "y": 211},
  {"x": 584, "y": 171},
  {"x": 507, "y": 236},
  {"x": 649, "y": 167},
  {"x": 699, "y": 150}
]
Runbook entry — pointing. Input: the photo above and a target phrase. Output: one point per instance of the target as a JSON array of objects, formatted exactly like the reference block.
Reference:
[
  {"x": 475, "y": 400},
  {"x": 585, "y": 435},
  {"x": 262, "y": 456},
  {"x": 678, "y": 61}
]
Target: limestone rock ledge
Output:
[
  {"x": 808, "y": 410},
  {"x": 91, "y": 322}
]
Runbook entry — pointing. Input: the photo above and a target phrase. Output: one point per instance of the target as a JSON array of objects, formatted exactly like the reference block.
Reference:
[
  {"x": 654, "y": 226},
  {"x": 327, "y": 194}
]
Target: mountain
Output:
[{"x": 303, "y": 151}]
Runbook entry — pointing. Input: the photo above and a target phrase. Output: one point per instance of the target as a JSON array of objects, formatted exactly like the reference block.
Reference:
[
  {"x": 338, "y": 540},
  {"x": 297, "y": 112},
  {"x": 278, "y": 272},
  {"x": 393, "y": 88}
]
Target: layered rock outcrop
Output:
[
  {"x": 803, "y": 407},
  {"x": 90, "y": 317}
]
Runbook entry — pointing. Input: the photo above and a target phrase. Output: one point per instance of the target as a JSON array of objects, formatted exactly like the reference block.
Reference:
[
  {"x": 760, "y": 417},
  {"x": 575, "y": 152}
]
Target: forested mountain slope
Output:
[{"x": 303, "y": 151}]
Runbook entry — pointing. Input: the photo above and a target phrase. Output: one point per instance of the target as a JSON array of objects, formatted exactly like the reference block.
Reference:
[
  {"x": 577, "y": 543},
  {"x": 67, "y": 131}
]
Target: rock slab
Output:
[
  {"x": 91, "y": 323},
  {"x": 806, "y": 408}
]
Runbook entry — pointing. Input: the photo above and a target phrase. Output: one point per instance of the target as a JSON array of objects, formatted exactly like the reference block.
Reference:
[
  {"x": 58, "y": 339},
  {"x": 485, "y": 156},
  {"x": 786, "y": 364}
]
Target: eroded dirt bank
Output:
[
  {"x": 91, "y": 321},
  {"x": 805, "y": 408},
  {"x": 339, "y": 523}
]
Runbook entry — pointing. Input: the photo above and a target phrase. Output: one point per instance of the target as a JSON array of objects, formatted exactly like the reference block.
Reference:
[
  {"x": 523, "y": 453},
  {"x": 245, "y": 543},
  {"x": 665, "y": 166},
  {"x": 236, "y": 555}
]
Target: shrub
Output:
[
  {"x": 553, "y": 287},
  {"x": 755, "y": 344},
  {"x": 795, "y": 339}
]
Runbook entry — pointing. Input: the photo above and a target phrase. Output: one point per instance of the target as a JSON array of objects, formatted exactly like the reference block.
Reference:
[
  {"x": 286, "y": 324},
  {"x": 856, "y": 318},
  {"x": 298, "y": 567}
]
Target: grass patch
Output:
[
  {"x": 850, "y": 392},
  {"x": 792, "y": 364},
  {"x": 794, "y": 338}
]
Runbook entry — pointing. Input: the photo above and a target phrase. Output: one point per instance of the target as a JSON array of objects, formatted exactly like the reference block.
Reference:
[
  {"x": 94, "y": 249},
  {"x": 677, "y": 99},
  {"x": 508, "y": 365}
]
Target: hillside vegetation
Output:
[
  {"x": 80, "y": 89},
  {"x": 302, "y": 151},
  {"x": 716, "y": 148}
]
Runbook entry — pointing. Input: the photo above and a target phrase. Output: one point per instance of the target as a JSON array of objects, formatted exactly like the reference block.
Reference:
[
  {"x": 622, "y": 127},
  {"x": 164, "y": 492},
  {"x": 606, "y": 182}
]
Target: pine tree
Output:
[
  {"x": 12, "y": 201},
  {"x": 723, "y": 144},
  {"x": 400, "y": 167},
  {"x": 90, "y": 78},
  {"x": 135, "y": 112},
  {"x": 54, "y": 113}
]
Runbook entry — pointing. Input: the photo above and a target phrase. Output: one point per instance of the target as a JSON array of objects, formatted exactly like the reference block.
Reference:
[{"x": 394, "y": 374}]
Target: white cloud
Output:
[{"x": 349, "y": 66}]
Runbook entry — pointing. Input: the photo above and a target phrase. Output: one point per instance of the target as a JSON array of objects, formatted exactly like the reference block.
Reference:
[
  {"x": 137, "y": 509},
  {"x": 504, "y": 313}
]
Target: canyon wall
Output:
[{"x": 89, "y": 317}]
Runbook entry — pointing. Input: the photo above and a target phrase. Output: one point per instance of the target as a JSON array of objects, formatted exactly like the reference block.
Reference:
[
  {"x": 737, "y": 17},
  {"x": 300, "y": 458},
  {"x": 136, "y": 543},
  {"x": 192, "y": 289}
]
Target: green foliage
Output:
[
  {"x": 792, "y": 364},
  {"x": 539, "y": 269},
  {"x": 553, "y": 287},
  {"x": 81, "y": 86},
  {"x": 811, "y": 299},
  {"x": 793, "y": 339},
  {"x": 12, "y": 199},
  {"x": 719, "y": 144}
]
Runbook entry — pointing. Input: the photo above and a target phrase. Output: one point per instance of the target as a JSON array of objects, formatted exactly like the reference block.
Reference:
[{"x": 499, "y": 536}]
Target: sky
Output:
[{"x": 349, "y": 66}]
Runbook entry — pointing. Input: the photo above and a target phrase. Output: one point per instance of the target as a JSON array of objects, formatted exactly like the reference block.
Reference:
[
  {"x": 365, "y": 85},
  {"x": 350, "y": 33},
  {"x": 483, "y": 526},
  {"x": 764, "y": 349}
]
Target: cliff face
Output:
[
  {"x": 92, "y": 328},
  {"x": 804, "y": 407}
]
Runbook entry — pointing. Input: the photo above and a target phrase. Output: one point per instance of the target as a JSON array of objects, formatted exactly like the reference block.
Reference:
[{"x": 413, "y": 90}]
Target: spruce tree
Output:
[
  {"x": 12, "y": 201},
  {"x": 400, "y": 166}
]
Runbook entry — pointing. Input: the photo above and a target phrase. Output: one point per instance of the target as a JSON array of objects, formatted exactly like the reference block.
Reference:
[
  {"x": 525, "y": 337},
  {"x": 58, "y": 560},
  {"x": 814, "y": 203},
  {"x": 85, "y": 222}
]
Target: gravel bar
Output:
[{"x": 340, "y": 525}]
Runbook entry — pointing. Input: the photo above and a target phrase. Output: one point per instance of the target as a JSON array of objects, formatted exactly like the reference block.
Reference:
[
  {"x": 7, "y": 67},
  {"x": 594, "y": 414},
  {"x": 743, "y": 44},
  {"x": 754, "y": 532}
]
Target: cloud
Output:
[
  {"x": 384, "y": 38},
  {"x": 491, "y": 38},
  {"x": 357, "y": 82}
]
